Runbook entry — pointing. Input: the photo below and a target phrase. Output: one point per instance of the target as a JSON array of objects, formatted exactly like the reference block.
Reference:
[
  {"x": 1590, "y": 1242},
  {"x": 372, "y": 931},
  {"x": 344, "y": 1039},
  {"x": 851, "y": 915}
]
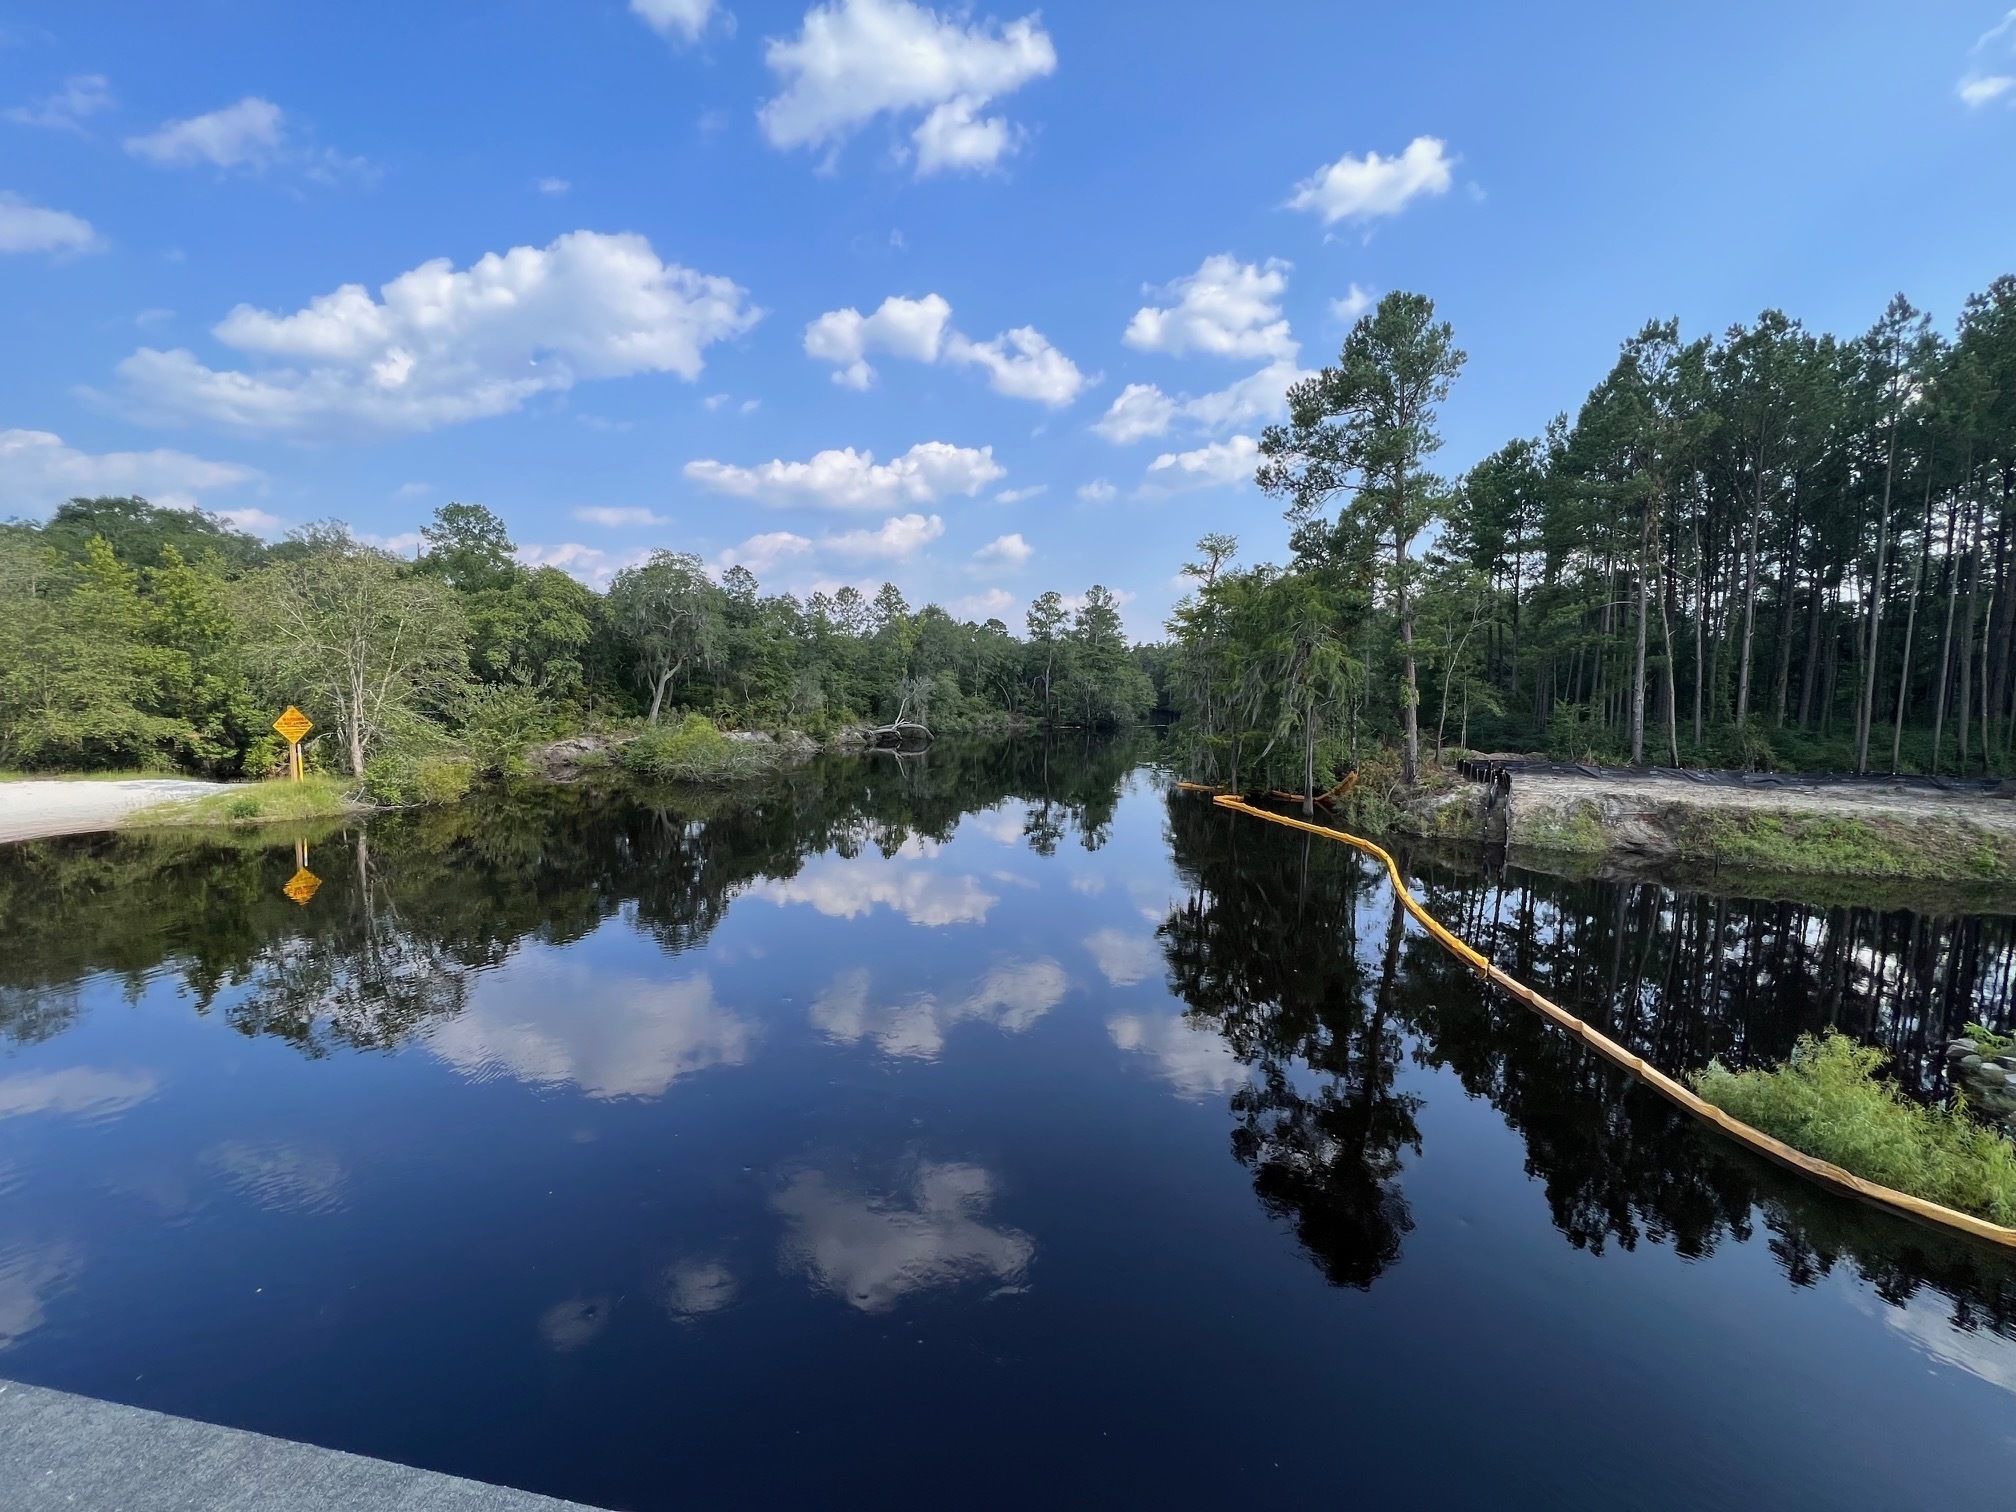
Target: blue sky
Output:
[{"x": 982, "y": 300}]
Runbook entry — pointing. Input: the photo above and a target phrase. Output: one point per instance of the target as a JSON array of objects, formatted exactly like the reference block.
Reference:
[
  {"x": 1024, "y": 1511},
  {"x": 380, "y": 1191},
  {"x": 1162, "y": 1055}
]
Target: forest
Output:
[
  {"x": 139, "y": 637},
  {"x": 1773, "y": 549}
]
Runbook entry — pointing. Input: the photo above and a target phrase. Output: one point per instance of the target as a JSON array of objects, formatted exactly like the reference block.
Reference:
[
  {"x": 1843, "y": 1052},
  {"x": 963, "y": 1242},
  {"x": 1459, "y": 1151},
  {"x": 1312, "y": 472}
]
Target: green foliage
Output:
[
  {"x": 403, "y": 777},
  {"x": 497, "y": 723},
  {"x": 1990, "y": 1042},
  {"x": 695, "y": 751},
  {"x": 1829, "y": 1101}
]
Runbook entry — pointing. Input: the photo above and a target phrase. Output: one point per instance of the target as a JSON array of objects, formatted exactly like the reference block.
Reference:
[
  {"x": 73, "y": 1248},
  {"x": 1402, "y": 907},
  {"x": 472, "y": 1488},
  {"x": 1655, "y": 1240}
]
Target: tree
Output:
[
  {"x": 361, "y": 640},
  {"x": 468, "y": 548},
  {"x": 1046, "y": 621},
  {"x": 670, "y": 615},
  {"x": 1366, "y": 427}
]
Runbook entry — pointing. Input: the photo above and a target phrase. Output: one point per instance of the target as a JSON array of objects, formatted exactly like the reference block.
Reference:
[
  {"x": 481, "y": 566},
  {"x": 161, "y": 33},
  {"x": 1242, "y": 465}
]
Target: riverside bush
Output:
[
  {"x": 695, "y": 751},
  {"x": 1828, "y": 1101}
]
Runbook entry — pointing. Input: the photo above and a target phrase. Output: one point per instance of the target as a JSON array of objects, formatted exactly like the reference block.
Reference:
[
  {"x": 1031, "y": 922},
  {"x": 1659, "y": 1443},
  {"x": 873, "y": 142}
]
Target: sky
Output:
[{"x": 981, "y": 300}]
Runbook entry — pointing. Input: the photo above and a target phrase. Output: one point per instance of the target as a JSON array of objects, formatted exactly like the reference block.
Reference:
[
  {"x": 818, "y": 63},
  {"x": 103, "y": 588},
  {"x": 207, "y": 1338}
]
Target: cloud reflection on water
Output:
[{"x": 1012, "y": 996}]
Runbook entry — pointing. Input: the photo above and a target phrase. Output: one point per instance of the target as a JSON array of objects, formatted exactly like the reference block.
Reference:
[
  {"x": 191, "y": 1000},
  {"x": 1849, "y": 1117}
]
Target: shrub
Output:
[
  {"x": 1828, "y": 1101},
  {"x": 404, "y": 779},
  {"x": 695, "y": 751},
  {"x": 498, "y": 722}
]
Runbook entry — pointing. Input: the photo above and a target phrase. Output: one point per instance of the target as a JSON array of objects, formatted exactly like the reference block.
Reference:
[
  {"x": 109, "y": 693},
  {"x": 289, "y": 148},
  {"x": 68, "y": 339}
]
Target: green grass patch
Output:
[
  {"x": 1827, "y": 845},
  {"x": 1827, "y": 1100},
  {"x": 695, "y": 751},
  {"x": 277, "y": 802}
]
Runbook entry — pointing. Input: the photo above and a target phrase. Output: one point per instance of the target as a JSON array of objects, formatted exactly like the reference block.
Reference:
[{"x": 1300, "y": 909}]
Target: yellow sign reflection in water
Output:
[{"x": 302, "y": 885}]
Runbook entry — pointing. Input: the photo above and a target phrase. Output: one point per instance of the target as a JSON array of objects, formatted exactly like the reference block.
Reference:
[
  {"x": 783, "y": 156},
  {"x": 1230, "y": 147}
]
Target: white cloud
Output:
[
  {"x": 1221, "y": 462},
  {"x": 279, "y": 1177},
  {"x": 1098, "y": 491},
  {"x": 591, "y": 564},
  {"x": 553, "y": 186},
  {"x": 900, "y": 537},
  {"x": 1143, "y": 410},
  {"x": 847, "y": 479},
  {"x": 1073, "y": 602},
  {"x": 1227, "y": 308},
  {"x": 1356, "y": 302},
  {"x": 848, "y": 889},
  {"x": 1364, "y": 188},
  {"x": 28, "y": 1278},
  {"x": 1011, "y": 997},
  {"x": 1007, "y": 553},
  {"x": 412, "y": 490},
  {"x": 83, "y": 1091},
  {"x": 81, "y": 97},
  {"x": 38, "y": 472},
  {"x": 550, "y": 1022},
  {"x": 256, "y": 521},
  {"x": 1123, "y": 959},
  {"x": 874, "y": 1249},
  {"x": 33, "y": 228},
  {"x": 406, "y": 543},
  {"x": 1017, "y": 495},
  {"x": 618, "y": 519},
  {"x": 1196, "y": 1062},
  {"x": 1979, "y": 86},
  {"x": 762, "y": 552},
  {"x": 1021, "y": 363},
  {"x": 912, "y": 328},
  {"x": 856, "y": 59},
  {"x": 989, "y": 603},
  {"x": 681, "y": 20},
  {"x": 250, "y": 134},
  {"x": 440, "y": 346}
]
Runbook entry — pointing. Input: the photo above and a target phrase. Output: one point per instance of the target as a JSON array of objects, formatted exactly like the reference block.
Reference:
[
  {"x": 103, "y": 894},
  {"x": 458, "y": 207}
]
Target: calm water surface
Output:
[{"x": 991, "y": 1130}]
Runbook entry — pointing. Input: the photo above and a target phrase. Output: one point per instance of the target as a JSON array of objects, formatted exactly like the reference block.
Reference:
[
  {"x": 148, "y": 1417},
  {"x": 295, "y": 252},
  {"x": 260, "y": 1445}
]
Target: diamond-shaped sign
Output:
[
  {"x": 293, "y": 725},
  {"x": 301, "y": 886}
]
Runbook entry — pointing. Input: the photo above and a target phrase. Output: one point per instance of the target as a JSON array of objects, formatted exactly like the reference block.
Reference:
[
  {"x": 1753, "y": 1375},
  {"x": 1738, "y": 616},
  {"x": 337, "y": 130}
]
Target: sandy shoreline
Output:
[{"x": 32, "y": 810}]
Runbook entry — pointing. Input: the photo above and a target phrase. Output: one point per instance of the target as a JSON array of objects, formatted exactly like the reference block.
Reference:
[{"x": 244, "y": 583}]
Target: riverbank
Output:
[
  {"x": 34, "y": 809},
  {"x": 1873, "y": 830}
]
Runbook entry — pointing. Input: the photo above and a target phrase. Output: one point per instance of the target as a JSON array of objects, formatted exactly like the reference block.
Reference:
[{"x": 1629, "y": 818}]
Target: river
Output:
[{"x": 986, "y": 1129}]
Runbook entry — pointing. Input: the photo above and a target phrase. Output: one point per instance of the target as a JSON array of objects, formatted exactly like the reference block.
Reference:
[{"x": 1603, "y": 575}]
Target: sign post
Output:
[{"x": 292, "y": 726}]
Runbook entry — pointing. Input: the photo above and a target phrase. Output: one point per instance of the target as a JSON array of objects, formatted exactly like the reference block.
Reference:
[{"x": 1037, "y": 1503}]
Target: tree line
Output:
[
  {"x": 1775, "y": 547},
  {"x": 135, "y": 636}
]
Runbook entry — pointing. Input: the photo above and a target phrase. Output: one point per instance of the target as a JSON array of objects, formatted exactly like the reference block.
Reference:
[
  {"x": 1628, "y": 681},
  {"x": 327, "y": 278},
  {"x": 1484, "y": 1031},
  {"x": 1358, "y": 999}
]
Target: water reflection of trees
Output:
[
  {"x": 412, "y": 903},
  {"x": 1268, "y": 949}
]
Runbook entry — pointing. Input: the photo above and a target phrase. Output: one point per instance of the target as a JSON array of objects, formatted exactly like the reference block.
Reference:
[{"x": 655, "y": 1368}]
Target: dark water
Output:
[{"x": 982, "y": 1132}]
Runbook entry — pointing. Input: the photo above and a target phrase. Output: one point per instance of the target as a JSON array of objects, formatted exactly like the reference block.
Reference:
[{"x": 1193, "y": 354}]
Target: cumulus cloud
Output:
[
  {"x": 762, "y": 552},
  {"x": 850, "y": 479},
  {"x": 873, "y": 1249},
  {"x": 549, "y": 1022},
  {"x": 250, "y": 134},
  {"x": 440, "y": 346},
  {"x": 1123, "y": 959},
  {"x": 1017, "y": 495},
  {"x": 590, "y": 564},
  {"x": 1196, "y": 1062},
  {"x": 1221, "y": 462},
  {"x": 35, "y": 228},
  {"x": 1098, "y": 491},
  {"x": 1988, "y": 76},
  {"x": 676, "y": 20},
  {"x": 989, "y": 603},
  {"x": 78, "y": 1091},
  {"x": 849, "y": 889},
  {"x": 854, "y": 60},
  {"x": 1356, "y": 302},
  {"x": 1354, "y": 188},
  {"x": 899, "y": 537},
  {"x": 1021, "y": 363},
  {"x": 553, "y": 186},
  {"x": 38, "y": 472},
  {"x": 1143, "y": 410},
  {"x": 912, "y": 328},
  {"x": 1004, "y": 553},
  {"x": 81, "y": 97},
  {"x": 1227, "y": 308},
  {"x": 1011, "y": 997},
  {"x": 618, "y": 518}
]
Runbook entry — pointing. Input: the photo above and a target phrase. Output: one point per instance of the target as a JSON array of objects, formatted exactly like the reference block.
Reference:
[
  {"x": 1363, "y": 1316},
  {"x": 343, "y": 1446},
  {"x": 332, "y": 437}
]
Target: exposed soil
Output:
[{"x": 30, "y": 810}]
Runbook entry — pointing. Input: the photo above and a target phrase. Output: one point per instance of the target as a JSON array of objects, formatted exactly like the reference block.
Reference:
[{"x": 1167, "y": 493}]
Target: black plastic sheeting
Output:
[{"x": 1488, "y": 771}]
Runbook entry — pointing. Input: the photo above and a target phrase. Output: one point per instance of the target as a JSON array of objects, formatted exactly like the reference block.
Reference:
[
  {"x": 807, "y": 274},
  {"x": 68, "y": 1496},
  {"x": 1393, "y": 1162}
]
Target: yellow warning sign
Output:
[
  {"x": 293, "y": 725},
  {"x": 302, "y": 886}
]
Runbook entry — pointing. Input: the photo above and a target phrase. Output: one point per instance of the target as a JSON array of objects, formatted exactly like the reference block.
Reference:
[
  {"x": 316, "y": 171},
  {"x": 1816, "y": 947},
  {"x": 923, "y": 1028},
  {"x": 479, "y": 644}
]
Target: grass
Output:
[
  {"x": 276, "y": 802},
  {"x": 695, "y": 751},
  {"x": 1827, "y": 1100}
]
